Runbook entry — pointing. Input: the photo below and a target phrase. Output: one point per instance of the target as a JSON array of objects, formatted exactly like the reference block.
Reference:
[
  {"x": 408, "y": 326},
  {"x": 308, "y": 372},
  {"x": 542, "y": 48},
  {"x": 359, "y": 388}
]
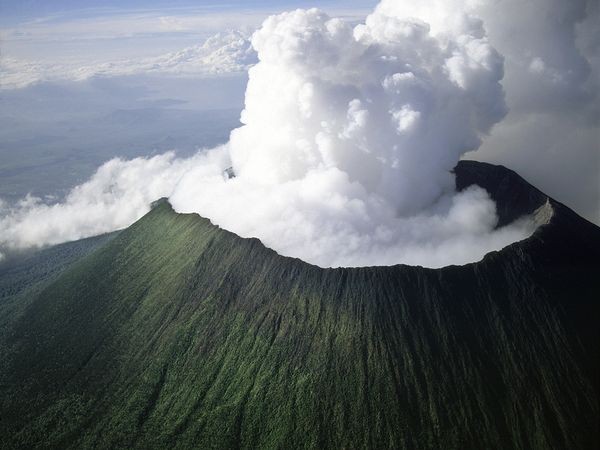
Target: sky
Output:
[
  {"x": 144, "y": 73},
  {"x": 90, "y": 32}
]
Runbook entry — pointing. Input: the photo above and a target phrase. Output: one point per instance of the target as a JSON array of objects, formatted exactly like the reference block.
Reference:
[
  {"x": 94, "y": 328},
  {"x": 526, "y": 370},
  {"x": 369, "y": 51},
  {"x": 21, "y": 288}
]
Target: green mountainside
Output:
[
  {"x": 23, "y": 276},
  {"x": 177, "y": 334}
]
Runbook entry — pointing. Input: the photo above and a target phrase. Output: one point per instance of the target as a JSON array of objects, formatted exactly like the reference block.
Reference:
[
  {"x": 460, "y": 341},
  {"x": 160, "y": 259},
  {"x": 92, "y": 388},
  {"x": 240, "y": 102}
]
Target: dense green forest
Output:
[
  {"x": 24, "y": 274},
  {"x": 177, "y": 334}
]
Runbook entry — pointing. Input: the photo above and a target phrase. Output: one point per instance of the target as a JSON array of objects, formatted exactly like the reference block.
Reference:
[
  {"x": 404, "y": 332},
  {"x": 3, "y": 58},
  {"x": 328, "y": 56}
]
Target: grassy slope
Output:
[
  {"x": 23, "y": 276},
  {"x": 178, "y": 334}
]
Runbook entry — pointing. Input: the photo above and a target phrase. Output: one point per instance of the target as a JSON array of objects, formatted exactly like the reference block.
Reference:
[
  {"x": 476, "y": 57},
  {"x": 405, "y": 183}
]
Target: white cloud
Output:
[
  {"x": 552, "y": 81},
  {"x": 349, "y": 135},
  {"x": 349, "y": 139},
  {"x": 118, "y": 194},
  {"x": 344, "y": 158},
  {"x": 223, "y": 53}
]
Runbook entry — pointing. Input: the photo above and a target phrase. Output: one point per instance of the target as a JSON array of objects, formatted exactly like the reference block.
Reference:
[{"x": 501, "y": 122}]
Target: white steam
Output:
[
  {"x": 345, "y": 154},
  {"x": 349, "y": 138},
  {"x": 387, "y": 103}
]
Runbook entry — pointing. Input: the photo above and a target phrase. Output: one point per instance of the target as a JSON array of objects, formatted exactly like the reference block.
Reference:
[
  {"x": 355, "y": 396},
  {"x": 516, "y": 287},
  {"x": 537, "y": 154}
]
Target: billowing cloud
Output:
[
  {"x": 345, "y": 154},
  {"x": 552, "y": 74},
  {"x": 349, "y": 138}
]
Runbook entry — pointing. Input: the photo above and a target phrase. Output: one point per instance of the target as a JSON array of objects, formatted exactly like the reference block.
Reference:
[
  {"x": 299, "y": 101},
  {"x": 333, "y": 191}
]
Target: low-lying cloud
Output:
[{"x": 118, "y": 194}]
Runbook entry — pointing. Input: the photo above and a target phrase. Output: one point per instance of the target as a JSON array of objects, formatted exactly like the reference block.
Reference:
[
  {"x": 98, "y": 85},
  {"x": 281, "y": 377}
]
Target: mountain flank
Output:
[{"x": 175, "y": 333}]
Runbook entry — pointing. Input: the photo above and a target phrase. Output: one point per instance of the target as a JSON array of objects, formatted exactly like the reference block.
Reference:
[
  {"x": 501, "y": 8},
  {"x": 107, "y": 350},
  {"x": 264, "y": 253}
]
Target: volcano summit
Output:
[
  {"x": 177, "y": 334},
  {"x": 335, "y": 275}
]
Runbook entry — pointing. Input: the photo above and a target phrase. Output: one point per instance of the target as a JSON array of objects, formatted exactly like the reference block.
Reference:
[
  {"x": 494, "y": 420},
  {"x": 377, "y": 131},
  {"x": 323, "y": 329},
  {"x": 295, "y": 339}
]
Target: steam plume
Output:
[
  {"x": 349, "y": 138},
  {"x": 348, "y": 141}
]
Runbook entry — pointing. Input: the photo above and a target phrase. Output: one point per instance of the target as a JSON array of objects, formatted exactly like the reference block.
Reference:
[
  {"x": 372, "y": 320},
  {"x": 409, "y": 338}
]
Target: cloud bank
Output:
[
  {"x": 344, "y": 158},
  {"x": 224, "y": 53},
  {"x": 118, "y": 194}
]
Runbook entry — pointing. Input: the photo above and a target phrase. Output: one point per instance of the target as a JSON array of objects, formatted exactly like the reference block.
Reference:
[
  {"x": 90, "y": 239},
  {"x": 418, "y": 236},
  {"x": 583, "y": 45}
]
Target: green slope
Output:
[
  {"x": 176, "y": 334},
  {"x": 24, "y": 275}
]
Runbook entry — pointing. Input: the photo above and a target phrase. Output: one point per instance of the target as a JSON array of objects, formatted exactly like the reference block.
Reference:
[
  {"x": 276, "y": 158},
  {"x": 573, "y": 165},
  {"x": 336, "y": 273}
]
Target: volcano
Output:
[{"x": 174, "y": 333}]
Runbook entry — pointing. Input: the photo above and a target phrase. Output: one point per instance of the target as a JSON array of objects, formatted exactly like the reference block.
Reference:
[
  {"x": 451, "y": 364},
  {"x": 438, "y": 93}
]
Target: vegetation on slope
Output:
[
  {"x": 23, "y": 275},
  {"x": 177, "y": 334}
]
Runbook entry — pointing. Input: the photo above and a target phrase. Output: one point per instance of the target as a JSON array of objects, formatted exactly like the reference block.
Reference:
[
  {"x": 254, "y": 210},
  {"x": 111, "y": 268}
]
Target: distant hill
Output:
[{"x": 175, "y": 333}]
